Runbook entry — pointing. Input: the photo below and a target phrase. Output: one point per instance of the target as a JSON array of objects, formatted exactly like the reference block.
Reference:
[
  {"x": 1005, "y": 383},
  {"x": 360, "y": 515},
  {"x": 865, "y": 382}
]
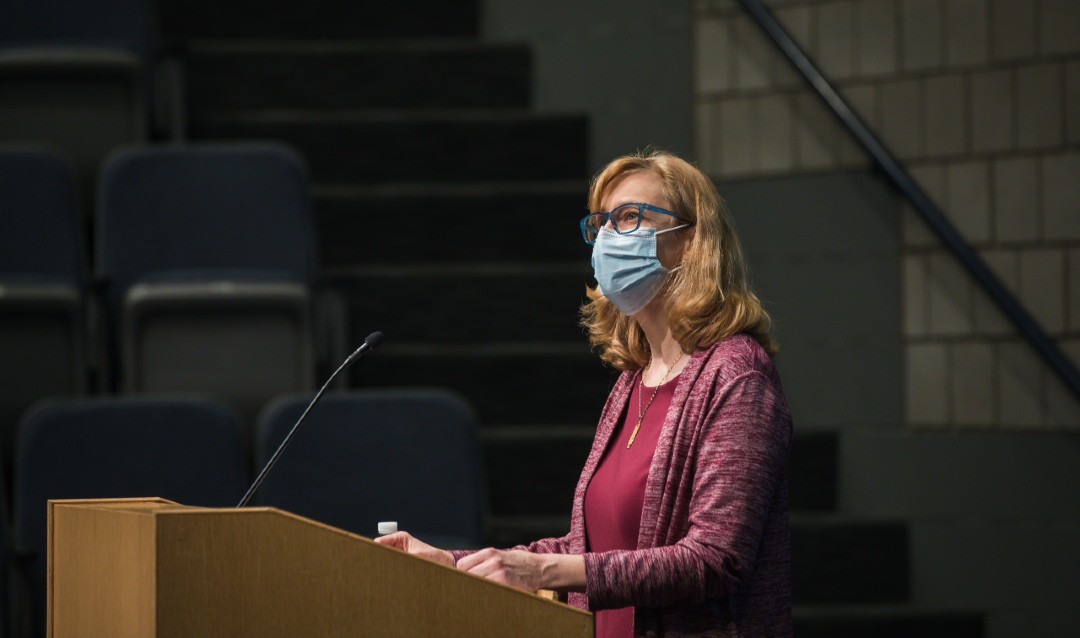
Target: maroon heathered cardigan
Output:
[{"x": 714, "y": 552}]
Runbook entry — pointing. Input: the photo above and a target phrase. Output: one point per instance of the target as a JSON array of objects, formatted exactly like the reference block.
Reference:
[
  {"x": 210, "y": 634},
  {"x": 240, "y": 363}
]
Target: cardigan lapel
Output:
[
  {"x": 609, "y": 420},
  {"x": 657, "y": 490}
]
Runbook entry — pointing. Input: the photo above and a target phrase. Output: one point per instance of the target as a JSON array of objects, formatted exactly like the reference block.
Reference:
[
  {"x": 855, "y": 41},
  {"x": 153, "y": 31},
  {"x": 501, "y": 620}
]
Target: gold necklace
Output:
[{"x": 641, "y": 413}]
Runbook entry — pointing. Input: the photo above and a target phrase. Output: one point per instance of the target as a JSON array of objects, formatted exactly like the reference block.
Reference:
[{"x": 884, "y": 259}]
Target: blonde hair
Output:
[{"x": 708, "y": 298}]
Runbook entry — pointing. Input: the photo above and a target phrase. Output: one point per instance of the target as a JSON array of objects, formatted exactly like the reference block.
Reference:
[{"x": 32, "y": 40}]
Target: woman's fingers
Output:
[
  {"x": 514, "y": 568},
  {"x": 472, "y": 560},
  {"x": 409, "y": 544},
  {"x": 400, "y": 540}
]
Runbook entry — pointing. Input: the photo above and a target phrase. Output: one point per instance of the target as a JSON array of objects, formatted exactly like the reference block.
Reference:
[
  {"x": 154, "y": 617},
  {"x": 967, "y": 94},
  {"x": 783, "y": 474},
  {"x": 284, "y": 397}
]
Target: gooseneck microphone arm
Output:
[{"x": 373, "y": 340}]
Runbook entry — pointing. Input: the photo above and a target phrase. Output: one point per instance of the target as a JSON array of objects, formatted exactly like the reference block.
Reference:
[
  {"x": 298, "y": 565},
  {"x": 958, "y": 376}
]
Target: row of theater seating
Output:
[
  {"x": 86, "y": 76},
  {"x": 408, "y": 455},
  {"x": 149, "y": 269},
  {"x": 176, "y": 269},
  {"x": 203, "y": 281}
]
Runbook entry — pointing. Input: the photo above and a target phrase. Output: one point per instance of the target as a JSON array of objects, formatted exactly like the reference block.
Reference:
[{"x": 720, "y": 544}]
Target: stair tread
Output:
[
  {"x": 500, "y": 383},
  {"x": 479, "y": 188},
  {"x": 341, "y": 274},
  {"x": 356, "y": 147},
  {"x": 292, "y": 116},
  {"x": 879, "y": 609},
  {"x": 209, "y": 19},
  {"x": 886, "y": 621},
  {"x": 816, "y": 520},
  {"x": 537, "y": 431},
  {"x": 326, "y": 77},
  {"x": 467, "y": 313},
  {"x": 317, "y": 46},
  {"x": 486, "y": 350},
  {"x": 464, "y": 214},
  {"x": 530, "y": 520}
]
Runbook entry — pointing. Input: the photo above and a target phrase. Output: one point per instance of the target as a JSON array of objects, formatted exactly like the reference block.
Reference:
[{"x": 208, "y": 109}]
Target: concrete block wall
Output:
[{"x": 981, "y": 100}]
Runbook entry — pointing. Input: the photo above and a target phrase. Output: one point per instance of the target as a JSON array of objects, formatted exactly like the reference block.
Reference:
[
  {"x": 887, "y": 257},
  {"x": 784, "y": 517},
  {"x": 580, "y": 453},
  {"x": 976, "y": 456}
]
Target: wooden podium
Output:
[{"x": 126, "y": 568}]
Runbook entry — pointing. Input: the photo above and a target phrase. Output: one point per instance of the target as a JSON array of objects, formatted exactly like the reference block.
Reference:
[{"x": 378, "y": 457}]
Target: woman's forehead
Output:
[{"x": 639, "y": 186}]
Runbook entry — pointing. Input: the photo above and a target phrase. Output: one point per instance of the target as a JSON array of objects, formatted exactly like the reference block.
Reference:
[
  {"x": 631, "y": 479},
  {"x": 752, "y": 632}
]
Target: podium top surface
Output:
[{"x": 157, "y": 506}]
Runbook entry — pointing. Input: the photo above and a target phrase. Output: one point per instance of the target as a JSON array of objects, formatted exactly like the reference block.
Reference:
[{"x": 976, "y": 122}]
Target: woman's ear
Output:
[{"x": 687, "y": 240}]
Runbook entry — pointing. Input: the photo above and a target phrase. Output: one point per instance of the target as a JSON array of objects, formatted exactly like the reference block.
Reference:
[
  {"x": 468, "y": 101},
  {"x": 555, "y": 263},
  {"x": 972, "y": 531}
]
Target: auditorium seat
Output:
[
  {"x": 42, "y": 285},
  {"x": 187, "y": 450},
  {"x": 405, "y": 455},
  {"x": 206, "y": 256},
  {"x": 76, "y": 74}
]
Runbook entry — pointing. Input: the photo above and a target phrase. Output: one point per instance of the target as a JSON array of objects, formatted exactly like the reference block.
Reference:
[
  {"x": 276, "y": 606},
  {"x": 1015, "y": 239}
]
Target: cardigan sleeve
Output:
[{"x": 740, "y": 461}]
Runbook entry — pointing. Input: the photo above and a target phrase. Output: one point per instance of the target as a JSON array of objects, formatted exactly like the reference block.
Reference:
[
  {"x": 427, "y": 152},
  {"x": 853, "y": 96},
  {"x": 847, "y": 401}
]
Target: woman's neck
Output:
[{"x": 664, "y": 349}]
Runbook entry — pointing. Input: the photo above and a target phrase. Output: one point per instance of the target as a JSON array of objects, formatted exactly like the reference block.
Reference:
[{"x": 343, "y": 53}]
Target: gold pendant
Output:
[{"x": 633, "y": 434}]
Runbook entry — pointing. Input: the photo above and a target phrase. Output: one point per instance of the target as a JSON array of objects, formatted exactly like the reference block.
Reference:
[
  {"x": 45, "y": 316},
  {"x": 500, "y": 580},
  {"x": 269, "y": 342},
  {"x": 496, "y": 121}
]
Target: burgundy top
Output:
[
  {"x": 616, "y": 493},
  {"x": 714, "y": 550}
]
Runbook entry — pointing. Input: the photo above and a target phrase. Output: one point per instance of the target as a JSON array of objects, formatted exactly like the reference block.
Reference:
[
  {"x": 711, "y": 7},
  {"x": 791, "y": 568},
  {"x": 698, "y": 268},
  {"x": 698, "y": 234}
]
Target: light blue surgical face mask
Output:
[{"x": 627, "y": 268}]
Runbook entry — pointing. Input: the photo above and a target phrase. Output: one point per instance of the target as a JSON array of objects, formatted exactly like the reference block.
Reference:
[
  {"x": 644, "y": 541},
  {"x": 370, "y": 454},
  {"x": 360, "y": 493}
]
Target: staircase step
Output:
[
  {"x": 885, "y": 622},
  {"x": 533, "y": 470},
  {"x": 813, "y": 476},
  {"x": 840, "y": 560},
  {"x": 443, "y": 146},
  {"x": 507, "y": 383},
  {"x": 183, "y": 20},
  {"x": 496, "y": 303},
  {"x": 372, "y": 225},
  {"x": 350, "y": 74},
  {"x": 509, "y": 531}
]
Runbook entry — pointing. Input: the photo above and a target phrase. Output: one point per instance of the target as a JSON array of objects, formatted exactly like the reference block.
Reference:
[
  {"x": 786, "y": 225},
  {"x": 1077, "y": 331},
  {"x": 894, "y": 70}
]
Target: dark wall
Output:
[
  {"x": 824, "y": 255},
  {"x": 992, "y": 516},
  {"x": 628, "y": 64}
]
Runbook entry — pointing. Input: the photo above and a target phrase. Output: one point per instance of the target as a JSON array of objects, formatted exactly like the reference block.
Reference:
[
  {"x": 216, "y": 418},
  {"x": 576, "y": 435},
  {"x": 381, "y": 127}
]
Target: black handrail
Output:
[{"x": 930, "y": 213}]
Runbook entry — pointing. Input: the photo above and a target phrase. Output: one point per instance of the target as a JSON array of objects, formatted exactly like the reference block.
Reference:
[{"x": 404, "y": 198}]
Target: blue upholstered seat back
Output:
[{"x": 365, "y": 457}]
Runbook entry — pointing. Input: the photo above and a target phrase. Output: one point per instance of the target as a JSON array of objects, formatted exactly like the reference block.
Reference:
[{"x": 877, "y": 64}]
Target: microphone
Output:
[{"x": 373, "y": 340}]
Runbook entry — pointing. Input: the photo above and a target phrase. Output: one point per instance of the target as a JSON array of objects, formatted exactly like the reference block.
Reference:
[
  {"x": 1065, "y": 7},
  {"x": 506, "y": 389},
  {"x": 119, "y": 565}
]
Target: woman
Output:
[{"x": 679, "y": 522}]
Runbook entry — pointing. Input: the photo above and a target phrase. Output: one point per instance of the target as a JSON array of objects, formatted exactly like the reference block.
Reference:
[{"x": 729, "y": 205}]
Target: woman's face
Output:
[{"x": 645, "y": 187}]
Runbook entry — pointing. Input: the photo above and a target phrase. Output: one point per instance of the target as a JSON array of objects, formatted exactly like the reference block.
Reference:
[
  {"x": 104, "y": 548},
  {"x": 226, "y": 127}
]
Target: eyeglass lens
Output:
[{"x": 624, "y": 219}]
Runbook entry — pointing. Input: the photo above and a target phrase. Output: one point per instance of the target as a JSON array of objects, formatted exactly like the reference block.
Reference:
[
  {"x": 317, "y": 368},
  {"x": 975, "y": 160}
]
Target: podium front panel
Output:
[{"x": 174, "y": 571}]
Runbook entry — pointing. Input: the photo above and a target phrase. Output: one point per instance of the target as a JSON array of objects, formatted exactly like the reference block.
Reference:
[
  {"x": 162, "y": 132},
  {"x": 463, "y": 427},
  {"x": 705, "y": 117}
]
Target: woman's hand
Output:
[
  {"x": 406, "y": 543},
  {"x": 523, "y": 570},
  {"x": 526, "y": 570}
]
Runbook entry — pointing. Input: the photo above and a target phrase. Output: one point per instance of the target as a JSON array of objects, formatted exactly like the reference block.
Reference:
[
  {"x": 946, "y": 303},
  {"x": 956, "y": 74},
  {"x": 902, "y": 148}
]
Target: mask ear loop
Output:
[{"x": 668, "y": 230}]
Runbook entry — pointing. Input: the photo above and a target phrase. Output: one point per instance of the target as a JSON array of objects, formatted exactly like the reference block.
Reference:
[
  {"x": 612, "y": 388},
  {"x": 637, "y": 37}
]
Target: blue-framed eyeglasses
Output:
[{"x": 624, "y": 219}]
